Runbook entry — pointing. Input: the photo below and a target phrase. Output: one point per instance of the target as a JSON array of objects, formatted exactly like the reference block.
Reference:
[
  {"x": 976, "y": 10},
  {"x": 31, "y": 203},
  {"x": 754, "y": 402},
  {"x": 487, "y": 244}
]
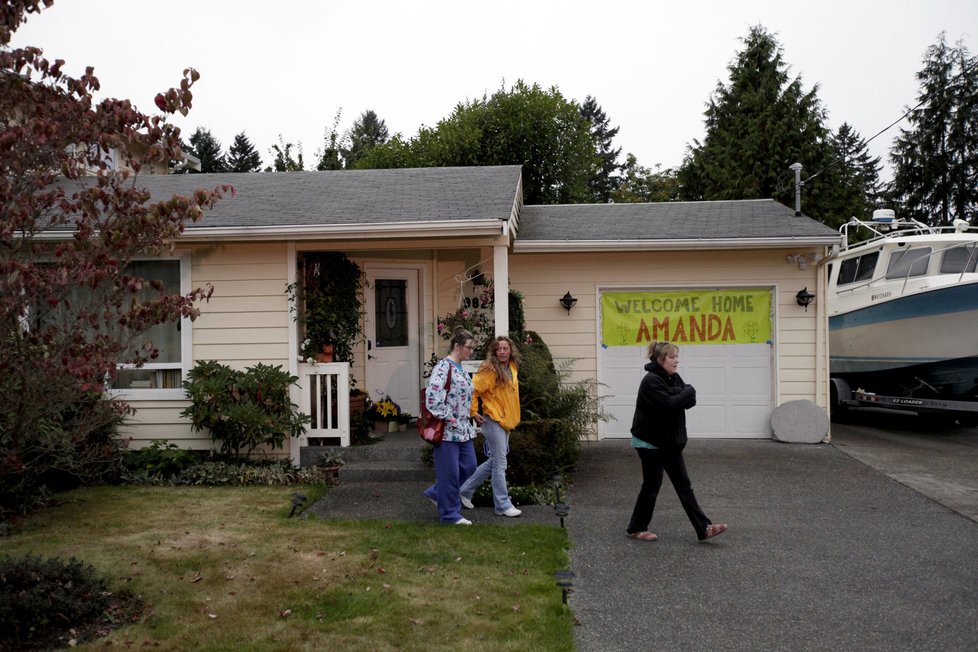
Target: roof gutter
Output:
[
  {"x": 558, "y": 246},
  {"x": 387, "y": 230}
]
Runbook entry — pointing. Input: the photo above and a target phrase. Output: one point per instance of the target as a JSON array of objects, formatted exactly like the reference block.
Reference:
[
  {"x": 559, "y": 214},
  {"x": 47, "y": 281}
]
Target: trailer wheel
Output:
[{"x": 840, "y": 411}]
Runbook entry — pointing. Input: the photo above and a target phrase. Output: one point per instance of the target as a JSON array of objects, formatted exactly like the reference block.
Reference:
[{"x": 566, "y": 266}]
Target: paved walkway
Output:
[{"x": 823, "y": 552}]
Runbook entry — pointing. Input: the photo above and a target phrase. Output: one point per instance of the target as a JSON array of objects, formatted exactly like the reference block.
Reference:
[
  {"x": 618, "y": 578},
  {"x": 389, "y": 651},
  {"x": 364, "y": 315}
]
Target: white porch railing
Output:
[{"x": 324, "y": 394}]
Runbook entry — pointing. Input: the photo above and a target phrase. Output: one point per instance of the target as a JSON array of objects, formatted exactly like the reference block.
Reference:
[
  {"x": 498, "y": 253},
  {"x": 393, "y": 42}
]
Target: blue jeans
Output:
[
  {"x": 454, "y": 463},
  {"x": 497, "y": 446}
]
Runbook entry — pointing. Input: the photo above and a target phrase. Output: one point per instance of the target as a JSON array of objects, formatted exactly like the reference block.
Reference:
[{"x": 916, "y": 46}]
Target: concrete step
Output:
[{"x": 391, "y": 460}]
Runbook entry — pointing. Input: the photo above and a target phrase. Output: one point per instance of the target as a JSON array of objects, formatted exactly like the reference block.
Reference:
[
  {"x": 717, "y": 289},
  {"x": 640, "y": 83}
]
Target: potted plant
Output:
[
  {"x": 328, "y": 302},
  {"x": 330, "y": 463},
  {"x": 387, "y": 410}
]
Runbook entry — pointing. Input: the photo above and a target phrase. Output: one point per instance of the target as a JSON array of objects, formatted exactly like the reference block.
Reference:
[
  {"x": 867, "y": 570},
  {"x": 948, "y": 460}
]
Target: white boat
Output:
[{"x": 903, "y": 309}]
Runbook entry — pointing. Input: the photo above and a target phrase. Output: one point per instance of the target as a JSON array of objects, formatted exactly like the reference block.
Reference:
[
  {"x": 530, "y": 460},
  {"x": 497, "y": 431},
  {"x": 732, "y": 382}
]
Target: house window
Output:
[
  {"x": 959, "y": 259},
  {"x": 912, "y": 262},
  {"x": 172, "y": 338},
  {"x": 857, "y": 269}
]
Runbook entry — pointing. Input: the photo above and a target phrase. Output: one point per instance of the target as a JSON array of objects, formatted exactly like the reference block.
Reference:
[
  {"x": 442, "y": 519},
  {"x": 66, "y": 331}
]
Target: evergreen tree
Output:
[
  {"x": 855, "y": 174},
  {"x": 756, "y": 127},
  {"x": 526, "y": 125},
  {"x": 205, "y": 147},
  {"x": 936, "y": 161},
  {"x": 331, "y": 156},
  {"x": 368, "y": 132},
  {"x": 242, "y": 156},
  {"x": 606, "y": 177}
]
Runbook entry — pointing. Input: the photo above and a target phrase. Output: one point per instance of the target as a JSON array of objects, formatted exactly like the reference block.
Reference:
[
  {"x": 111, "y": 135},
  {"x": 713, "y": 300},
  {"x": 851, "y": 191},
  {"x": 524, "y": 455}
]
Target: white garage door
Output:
[{"x": 733, "y": 388}]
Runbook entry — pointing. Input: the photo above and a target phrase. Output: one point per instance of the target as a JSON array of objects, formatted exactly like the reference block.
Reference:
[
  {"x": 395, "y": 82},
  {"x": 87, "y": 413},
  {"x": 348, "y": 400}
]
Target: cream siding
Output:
[
  {"x": 544, "y": 278},
  {"x": 245, "y": 322}
]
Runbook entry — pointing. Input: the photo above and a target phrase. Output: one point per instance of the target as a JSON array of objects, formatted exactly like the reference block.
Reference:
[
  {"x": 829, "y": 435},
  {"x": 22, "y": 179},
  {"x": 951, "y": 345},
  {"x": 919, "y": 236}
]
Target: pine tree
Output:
[
  {"x": 936, "y": 160},
  {"x": 205, "y": 147},
  {"x": 606, "y": 178},
  {"x": 368, "y": 131},
  {"x": 242, "y": 156},
  {"x": 756, "y": 127},
  {"x": 855, "y": 174}
]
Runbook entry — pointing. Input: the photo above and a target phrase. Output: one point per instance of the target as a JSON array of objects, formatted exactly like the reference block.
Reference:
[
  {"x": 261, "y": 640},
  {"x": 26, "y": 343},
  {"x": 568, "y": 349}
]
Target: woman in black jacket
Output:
[{"x": 659, "y": 436}]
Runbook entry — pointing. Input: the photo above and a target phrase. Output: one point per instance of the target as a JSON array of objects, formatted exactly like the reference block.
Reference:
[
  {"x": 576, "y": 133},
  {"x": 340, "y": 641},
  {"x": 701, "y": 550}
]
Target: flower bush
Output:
[
  {"x": 386, "y": 409},
  {"x": 477, "y": 321}
]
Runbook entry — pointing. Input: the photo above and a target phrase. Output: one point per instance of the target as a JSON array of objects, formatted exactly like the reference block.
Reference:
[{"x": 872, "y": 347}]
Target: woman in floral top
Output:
[{"x": 455, "y": 458}]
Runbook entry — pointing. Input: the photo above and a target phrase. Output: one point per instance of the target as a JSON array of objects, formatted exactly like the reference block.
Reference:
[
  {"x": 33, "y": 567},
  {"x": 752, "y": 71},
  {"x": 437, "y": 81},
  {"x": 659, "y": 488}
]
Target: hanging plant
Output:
[{"x": 328, "y": 302}]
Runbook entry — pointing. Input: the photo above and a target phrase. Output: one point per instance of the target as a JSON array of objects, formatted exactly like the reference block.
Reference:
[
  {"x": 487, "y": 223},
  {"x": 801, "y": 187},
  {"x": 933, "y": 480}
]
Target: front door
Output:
[{"x": 393, "y": 343}]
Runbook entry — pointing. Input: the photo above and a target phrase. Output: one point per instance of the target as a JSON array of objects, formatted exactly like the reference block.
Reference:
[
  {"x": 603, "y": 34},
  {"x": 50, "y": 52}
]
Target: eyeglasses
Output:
[{"x": 470, "y": 347}]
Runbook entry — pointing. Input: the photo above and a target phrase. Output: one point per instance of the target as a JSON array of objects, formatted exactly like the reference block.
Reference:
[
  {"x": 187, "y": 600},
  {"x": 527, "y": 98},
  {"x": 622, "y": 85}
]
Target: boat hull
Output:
[{"x": 930, "y": 336}]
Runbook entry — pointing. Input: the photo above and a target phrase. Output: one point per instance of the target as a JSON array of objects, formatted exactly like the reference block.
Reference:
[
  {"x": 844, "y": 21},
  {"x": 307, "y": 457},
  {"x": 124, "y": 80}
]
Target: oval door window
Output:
[{"x": 390, "y": 312}]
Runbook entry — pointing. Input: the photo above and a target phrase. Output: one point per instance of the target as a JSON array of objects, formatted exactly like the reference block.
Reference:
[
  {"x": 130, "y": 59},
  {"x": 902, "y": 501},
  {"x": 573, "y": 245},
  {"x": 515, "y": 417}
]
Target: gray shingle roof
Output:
[
  {"x": 350, "y": 197},
  {"x": 702, "y": 220}
]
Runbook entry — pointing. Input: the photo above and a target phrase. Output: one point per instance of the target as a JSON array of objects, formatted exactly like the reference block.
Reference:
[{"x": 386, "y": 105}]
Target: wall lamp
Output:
[
  {"x": 567, "y": 301},
  {"x": 804, "y": 298}
]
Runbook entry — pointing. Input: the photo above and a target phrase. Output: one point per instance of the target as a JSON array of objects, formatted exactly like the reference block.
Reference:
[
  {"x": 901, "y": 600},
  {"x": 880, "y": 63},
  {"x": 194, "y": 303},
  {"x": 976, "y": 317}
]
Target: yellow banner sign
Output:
[{"x": 686, "y": 317}]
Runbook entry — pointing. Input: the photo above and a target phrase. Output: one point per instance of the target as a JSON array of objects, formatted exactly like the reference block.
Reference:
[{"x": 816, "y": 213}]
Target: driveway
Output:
[{"x": 940, "y": 463}]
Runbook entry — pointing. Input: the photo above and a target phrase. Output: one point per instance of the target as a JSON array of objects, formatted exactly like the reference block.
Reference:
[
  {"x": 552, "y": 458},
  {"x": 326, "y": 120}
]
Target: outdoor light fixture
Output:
[
  {"x": 567, "y": 301},
  {"x": 804, "y": 298},
  {"x": 564, "y": 578},
  {"x": 562, "y": 510},
  {"x": 298, "y": 500}
]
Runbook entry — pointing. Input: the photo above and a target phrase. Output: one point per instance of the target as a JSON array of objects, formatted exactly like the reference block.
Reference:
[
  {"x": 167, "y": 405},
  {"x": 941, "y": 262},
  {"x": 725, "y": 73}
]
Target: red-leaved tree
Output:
[{"x": 73, "y": 217}]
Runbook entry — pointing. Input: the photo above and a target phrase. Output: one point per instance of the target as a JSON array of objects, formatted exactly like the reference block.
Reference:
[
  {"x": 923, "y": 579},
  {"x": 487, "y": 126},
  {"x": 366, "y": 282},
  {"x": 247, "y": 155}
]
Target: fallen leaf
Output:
[
  {"x": 516, "y": 607},
  {"x": 381, "y": 571},
  {"x": 286, "y": 613},
  {"x": 212, "y": 616},
  {"x": 415, "y": 621}
]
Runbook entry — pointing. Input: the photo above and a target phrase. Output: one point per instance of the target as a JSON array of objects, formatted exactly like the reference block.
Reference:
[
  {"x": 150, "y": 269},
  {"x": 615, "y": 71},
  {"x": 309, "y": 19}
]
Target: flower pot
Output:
[
  {"x": 326, "y": 355},
  {"x": 358, "y": 404},
  {"x": 392, "y": 426},
  {"x": 401, "y": 427}
]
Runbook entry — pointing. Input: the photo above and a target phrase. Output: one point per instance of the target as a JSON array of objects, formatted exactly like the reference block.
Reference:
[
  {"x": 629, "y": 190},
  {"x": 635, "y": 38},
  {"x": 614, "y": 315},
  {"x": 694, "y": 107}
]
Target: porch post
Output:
[{"x": 500, "y": 274}]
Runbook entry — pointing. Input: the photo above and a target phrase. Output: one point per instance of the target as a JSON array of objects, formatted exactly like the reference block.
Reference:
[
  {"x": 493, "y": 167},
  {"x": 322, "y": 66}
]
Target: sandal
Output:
[
  {"x": 714, "y": 529},
  {"x": 642, "y": 536}
]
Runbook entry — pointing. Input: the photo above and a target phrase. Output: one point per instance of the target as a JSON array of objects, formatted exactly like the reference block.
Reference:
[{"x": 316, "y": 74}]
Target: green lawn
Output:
[{"x": 226, "y": 569}]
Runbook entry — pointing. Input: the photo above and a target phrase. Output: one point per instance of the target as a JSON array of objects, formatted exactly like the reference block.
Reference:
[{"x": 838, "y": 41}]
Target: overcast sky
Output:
[{"x": 287, "y": 68}]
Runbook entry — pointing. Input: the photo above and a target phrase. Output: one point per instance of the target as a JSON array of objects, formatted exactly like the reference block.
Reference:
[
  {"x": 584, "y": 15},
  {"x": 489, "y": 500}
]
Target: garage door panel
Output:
[{"x": 734, "y": 395}]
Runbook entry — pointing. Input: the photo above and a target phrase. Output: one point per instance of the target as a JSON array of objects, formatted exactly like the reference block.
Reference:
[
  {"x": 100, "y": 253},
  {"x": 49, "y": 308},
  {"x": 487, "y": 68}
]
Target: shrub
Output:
[
  {"x": 230, "y": 472},
  {"x": 243, "y": 410},
  {"x": 64, "y": 449},
  {"x": 46, "y": 603},
  {"x": 159, "y": 459},
  {"x": 556, "y": 415}
]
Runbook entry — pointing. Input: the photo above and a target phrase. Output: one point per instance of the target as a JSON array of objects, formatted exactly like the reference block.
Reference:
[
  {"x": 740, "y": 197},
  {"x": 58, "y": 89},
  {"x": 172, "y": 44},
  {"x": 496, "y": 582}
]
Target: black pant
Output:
[{"x": 654, "y": 462}]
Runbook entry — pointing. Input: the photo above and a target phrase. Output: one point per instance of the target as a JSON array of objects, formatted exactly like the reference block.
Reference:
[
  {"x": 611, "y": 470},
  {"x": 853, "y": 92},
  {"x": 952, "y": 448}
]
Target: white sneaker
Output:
[
  {"x": 466, "y": 503},
  {"x": 512, "y": 511},
  {"x": 462, "y": 521}
]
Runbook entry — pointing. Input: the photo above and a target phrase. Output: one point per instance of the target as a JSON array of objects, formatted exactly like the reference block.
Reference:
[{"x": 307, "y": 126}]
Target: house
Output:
[{"x": 720, "y": 278}]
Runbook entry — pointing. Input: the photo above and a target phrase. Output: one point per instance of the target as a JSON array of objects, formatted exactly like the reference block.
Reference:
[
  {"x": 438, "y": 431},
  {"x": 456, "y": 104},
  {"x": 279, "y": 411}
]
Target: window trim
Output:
[{"x": 186, "y": 344}]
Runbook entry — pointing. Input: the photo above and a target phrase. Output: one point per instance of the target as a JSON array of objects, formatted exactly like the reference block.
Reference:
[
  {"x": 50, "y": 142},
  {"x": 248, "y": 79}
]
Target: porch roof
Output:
[{"x": 757, "y": 223}]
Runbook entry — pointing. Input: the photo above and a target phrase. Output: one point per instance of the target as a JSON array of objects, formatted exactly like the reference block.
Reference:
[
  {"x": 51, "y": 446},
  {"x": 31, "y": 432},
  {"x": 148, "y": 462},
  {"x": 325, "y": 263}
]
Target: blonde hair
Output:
[
  {"x": 492, "y": 360},
  {"x": 659, "y": 350}
]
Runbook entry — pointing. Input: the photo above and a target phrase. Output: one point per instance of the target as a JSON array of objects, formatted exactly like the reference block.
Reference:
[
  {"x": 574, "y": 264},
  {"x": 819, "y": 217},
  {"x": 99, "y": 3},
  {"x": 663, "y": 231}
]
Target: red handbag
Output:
[{"x": 430, "y": 427}]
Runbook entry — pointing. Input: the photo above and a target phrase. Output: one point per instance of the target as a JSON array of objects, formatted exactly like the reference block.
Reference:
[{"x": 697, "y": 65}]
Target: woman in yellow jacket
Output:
[{"x": 497, "y": 385}]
